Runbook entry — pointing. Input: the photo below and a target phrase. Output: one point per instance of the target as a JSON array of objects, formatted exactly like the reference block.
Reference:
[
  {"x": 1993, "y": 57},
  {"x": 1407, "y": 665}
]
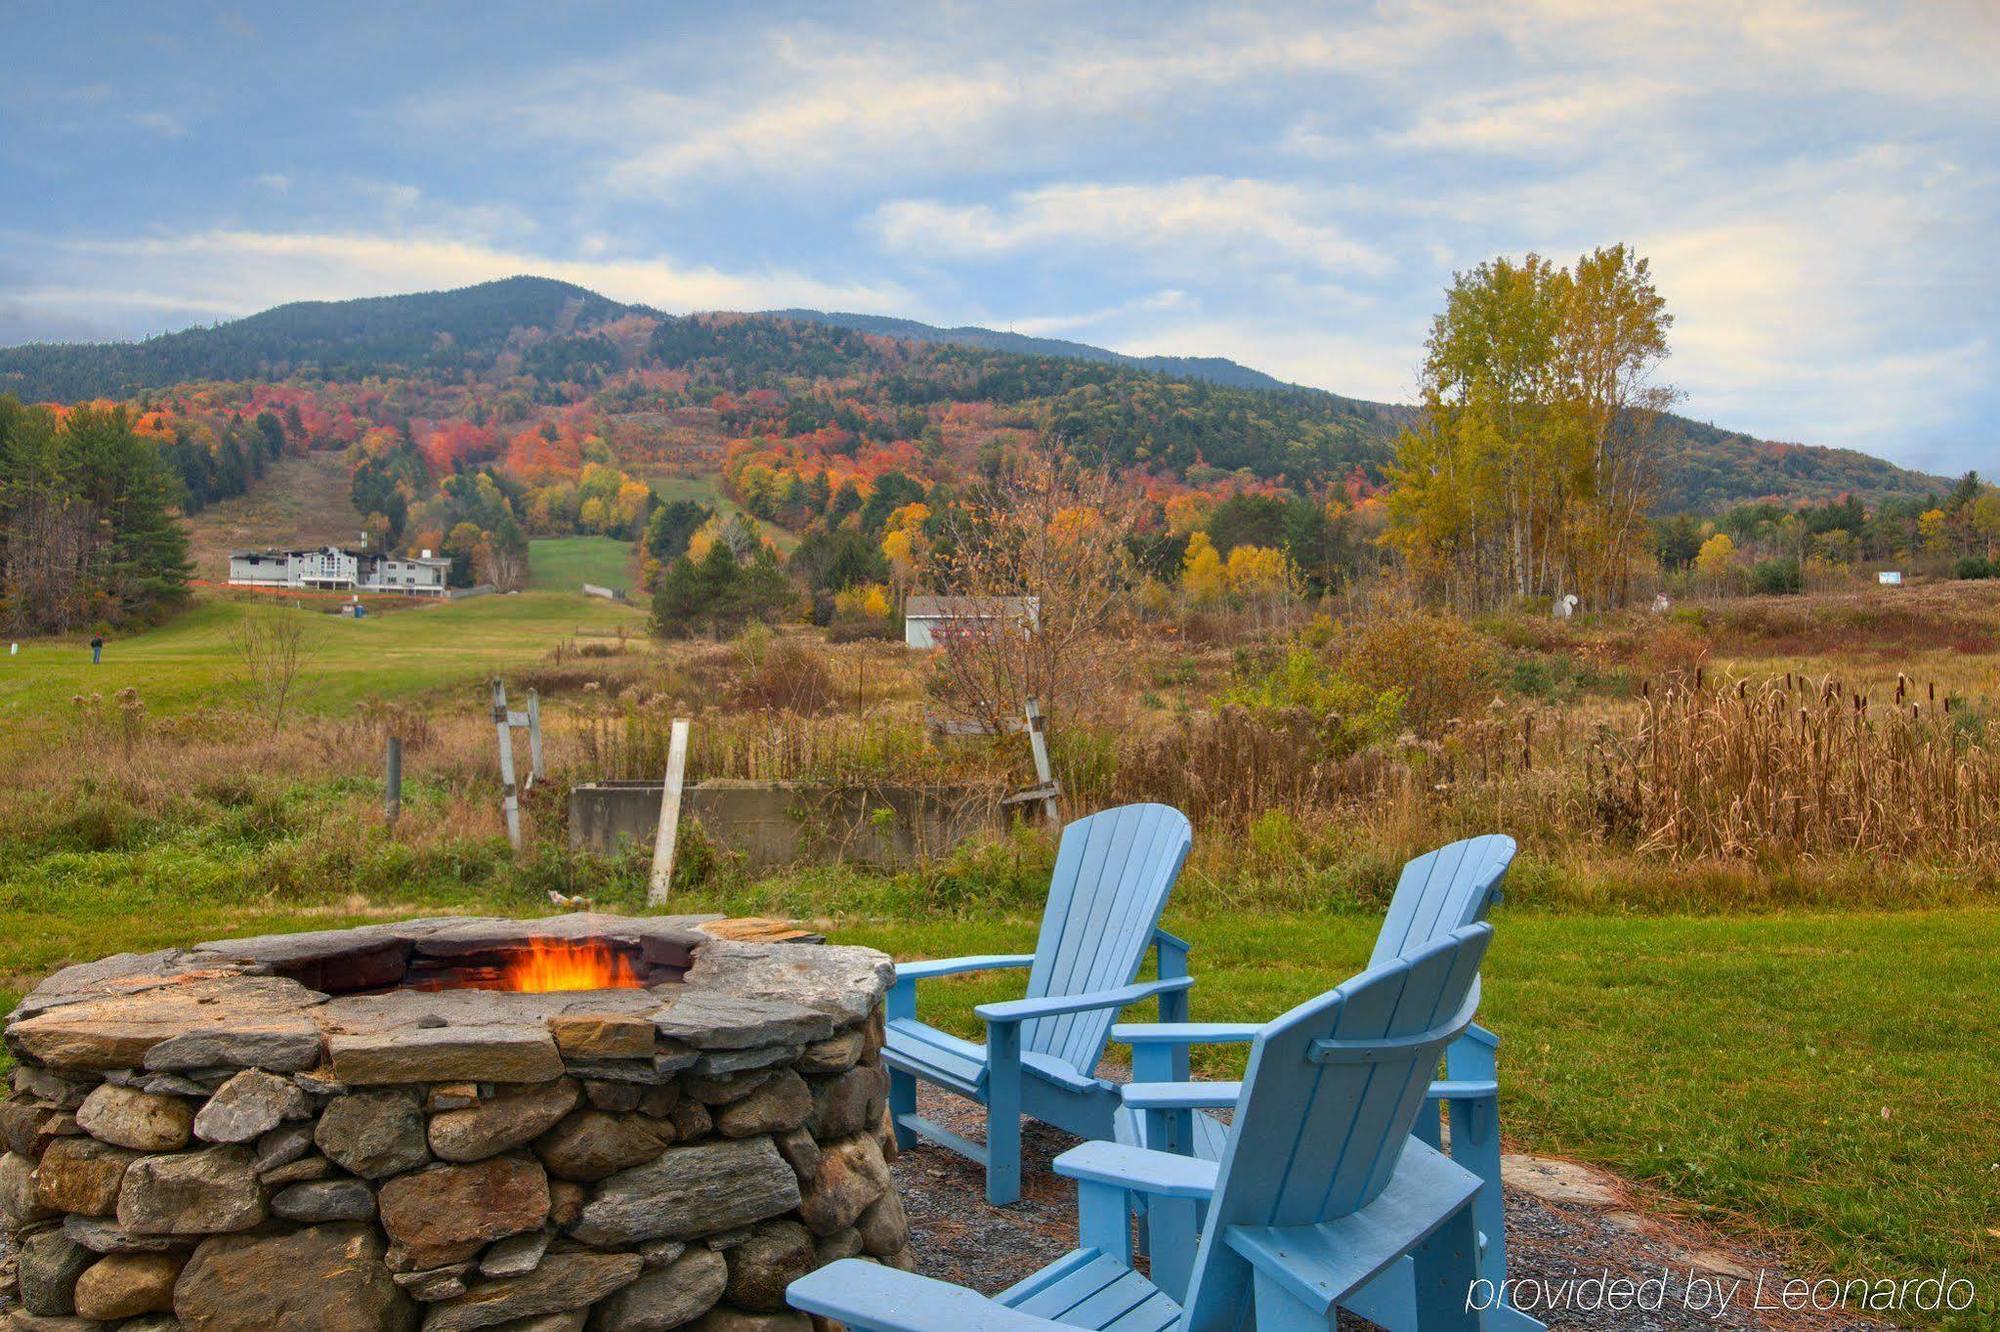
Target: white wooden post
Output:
[
  {"x": 670, "y": 816},
  {"x": 510, "y": 804},
  {"x": 535, "y": 768},
  {"x": 1044, "y": 775}
]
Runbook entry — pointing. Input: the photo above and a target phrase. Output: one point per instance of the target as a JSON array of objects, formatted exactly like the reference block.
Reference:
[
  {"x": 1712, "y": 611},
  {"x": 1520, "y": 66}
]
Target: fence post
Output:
[
  {"x": 392, "y": 786},
  {"x": 535, "y": 768},
  {"x": 670, "y": 816},
  {"x": 510, "y": 804},
  {"x": 1043, "y": 773}
]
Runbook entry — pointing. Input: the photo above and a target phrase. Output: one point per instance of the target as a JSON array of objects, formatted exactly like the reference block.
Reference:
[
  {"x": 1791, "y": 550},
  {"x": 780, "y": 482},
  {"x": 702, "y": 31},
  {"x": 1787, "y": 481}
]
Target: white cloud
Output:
[
  {"x": 163, "y": 123},
  {"x": 1570, "y": 114},
  {"x": 1049, "y": 325},
  {"x": 1242, "y": 221}
]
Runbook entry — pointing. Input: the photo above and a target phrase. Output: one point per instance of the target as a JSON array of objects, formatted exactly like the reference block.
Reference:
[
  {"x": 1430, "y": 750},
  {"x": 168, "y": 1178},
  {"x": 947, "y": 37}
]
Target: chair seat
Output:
[
  {"x": 959, "y": 1065},
  {"x": 1211, "y": 1135},
  {"x": 1087, "y": 1289}
]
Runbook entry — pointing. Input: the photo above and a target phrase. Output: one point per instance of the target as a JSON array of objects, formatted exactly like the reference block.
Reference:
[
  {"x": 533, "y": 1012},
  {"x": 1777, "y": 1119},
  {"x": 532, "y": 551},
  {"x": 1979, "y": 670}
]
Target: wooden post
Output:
[
  {"x": 392, "y": 786},
  {"x": 670, "y": 816},
  {"x": 1043, "y": 773},
  {"x": 535, "y": 768},
  {"x": 510, "y": 803}
]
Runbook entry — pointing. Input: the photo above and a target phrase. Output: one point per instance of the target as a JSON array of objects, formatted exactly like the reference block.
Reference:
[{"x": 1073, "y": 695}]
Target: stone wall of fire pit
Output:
[{"x": 330, "y": 1131}]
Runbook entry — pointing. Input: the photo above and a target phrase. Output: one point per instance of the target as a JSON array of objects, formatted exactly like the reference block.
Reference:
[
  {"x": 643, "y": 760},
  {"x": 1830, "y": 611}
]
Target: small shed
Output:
[{"x": 927, "y": 620}]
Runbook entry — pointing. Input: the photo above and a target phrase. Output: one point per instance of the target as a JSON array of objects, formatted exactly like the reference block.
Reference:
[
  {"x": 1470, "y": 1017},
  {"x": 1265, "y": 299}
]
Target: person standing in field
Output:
[{"x": 96, "y": 649}]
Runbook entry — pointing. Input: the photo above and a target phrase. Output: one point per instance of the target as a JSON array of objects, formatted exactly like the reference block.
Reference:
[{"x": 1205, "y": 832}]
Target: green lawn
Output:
[
  {"x": 193, "y": 658},
  {"x": 1826, "y": 1081},
  {"x": 708, "y": 490},
  {"x": 564, "y": 564}
]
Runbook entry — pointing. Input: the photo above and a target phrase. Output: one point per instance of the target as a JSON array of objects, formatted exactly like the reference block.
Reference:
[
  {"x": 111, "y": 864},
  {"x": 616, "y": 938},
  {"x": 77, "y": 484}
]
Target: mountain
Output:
[
  {"x": 1213, "y": 369},
  {"x": 1193, "y": 417}
]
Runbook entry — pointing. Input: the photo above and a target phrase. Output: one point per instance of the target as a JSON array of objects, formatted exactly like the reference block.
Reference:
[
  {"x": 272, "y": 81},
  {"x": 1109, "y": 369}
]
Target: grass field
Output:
[
  {"x": 707, "y": 490},
  {"x": 1783, "y": 1076},
  {"x": 300, "y": 501},
  {"x": 564, "y": 564}
]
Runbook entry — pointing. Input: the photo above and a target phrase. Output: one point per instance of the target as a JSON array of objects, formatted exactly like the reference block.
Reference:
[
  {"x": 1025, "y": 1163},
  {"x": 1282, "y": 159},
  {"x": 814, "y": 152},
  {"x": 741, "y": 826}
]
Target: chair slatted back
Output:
[
  {"x": 1329, "y": 1098},
  {"x": 1452, "y": 886},
  {"x": 1113, "y": 872}
]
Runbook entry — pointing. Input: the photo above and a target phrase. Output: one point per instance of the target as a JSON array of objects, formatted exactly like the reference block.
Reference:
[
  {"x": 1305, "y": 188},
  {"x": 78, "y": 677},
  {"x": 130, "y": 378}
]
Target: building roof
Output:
[
  {"x": 343, "y": 550},
  {"x": 942, "y": 608}
]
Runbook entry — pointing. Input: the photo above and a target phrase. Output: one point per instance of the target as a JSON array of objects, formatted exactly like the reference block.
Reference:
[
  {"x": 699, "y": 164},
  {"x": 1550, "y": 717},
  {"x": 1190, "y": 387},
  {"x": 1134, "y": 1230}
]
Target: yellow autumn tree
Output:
[
  {"x": 1716, "y": 557},
  {"x": 1258, "y": 573},
  {"x": 1202, "y": 576}
]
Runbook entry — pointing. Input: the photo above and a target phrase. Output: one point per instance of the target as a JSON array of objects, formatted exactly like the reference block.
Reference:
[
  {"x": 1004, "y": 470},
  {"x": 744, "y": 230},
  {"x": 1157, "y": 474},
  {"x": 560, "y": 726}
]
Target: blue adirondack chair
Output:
[
  {"x": 1112, "y": 875},
  {"x": 1319, "y": 1190},
  {"x": 1437, "y": 893}
]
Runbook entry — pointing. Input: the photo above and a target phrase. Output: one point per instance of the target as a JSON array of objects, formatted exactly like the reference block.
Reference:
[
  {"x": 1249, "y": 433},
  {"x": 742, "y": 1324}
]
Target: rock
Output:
[
  {"x": 517, "y": 1255},
  {"x": 563, "y": 1282},
  {"x": 20, "y": 1198},
  {"x": 722, "y": 1318},
  {"x": 173, "y": 1084},
  {"x": 848, "y": 1104},
  {"x": 840, "y": 1244},
  {"x": 690, "y": 1120},
  {"x": 571, "y": 1321},
  {"x": 302, "y": 1171},
  {"x": 782, "y": 1103},
  {"x": 126, "y": 1285},
  {"x": 512, "y": 1118},
  {"x": 248, "y": 1106},
  {"x": 282, "y": 1045},
  {"x": 566, "y": 1201},
  {"x": 904, "y": 1260},
  {"x": 434, "y": 1283},
  {"x": 324, "y": 1200},
  {"x": 125, "y": 1117},
  {"x": 373, "y": 1134},
  {"x": 452, "y": 1096},
  {"x": 846, "y": 983},
  {"x": 602, "y": 1035},
  {"x": 659, "y": 1102},
  {"x": 727, "y": 1087},
  {"x": 851, "y": 1175},
  {"x": 591, "y": 1145},
  {"x": 835, "y": 1054},
  {"x": 884, "y": 1226},
  {"x": 50, "y": 1263},
  {"x": 721, "y": 1063},
  {"x": 728, "y": 1239},
  {"x": 667, "y": 1297},
  {"x": 445, "y": 1054},
  {"x": 691, "y": 1191},
  {"x": 316, "y": 1279},
  {"x": 193, "y": 1193},
  {"x": 761, "y": 1267},
  {"x": 28, "y": 1127},
  {"x": 711, "y": 1021},
  {"x": 82, "y": 1175},
  {"x": 101, "y": 1236},
  {"x": 800, "y": 1151},
  {"x": 616, "y": 1097},
  {"x": 658, "y": 1253},
  {"x": 444, "y": 1208},
  {"x": 117, "y": 1032},
  {"x": 282, "y": 1146}
]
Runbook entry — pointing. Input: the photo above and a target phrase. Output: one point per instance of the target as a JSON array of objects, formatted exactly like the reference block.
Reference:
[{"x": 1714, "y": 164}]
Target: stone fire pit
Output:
[{"x": 379, "y": 1129}]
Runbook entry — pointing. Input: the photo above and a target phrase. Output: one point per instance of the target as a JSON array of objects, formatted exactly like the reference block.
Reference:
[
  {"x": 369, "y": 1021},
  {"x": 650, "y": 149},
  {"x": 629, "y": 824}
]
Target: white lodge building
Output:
[{"x": 338, "y": 569}]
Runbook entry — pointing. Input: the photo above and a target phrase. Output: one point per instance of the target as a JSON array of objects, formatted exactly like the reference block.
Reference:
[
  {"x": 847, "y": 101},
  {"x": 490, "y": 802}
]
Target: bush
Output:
[
  {"x": 786, "y": 677},
  {"x": 1442, "y": 667},
  {"x": 1778, "y": 577},
  {"x": 1975, "y": 566}
]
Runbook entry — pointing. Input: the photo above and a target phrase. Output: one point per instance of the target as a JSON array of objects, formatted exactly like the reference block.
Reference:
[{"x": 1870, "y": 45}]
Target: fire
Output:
[{"x": 550, "y": 965}]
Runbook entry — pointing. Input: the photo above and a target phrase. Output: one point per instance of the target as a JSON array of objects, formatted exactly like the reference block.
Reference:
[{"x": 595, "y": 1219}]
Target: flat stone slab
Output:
[{"x": 441, "y": 1054}]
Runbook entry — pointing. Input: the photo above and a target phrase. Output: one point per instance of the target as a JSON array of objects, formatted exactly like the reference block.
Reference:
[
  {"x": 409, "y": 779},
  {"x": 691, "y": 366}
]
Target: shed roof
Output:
[{"x": 946, "y": 608}]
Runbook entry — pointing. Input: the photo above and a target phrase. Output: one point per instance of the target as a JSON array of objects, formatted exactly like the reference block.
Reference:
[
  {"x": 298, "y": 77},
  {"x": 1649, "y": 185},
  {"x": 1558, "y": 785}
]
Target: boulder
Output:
[
  {"x": 513, "y": 1117},
  {"x": 82, "y": 1175},
  {"x": 126, "y": 1117},
  {"x": 302, "y": 1171},
  {"x": 835, "y": 1054},
  {"x": 722, "y": 1318},
  {"x": 801, "y": 1153},
  {"x": 434, "y": 1283},
  {"x": 324, "y": 1200},
  {"x": 277, "y": 1045},
  {"x": 712, "y": 1021},
  {"x": 591, "y": 1145},
  {"x": 566, "y": 1201},
  {"x": 840, "y": 1244},
  {"x": 126, "y": 1285},
  {"x": 49, "y": 1264},
  {"x": 250, "y": 1105},
  {"x": 847, "y": 1104},
  {"x": 846, "y": 983},
  {"x": 444, "y": 1208},
  {"x": 373, "y": 1134},
  {"x": 282, "y": 1146},
  {"x": 617, "y": 1097},
  {"x": 445, "y": 1054},
  {"x": 690, "y": 1119},
  {"x": 316, "y": 1279},
  {"x": 28, "y": 1127},
  {"x": 102, "y": 1236},
  {"x": 563, "y": 1282},
  {"x": 884, "y": 1226},
  {"x": 20, "y": 1199},
  {"x": 191, "y": 1193},
  {"x": 851, "y": 1175},
  {"x": 782, "y": 1102},
  {"x": 517, "y": 1255},
  {"x": 666, "y": 1297},
  {"x": 779, "y": 1253},
  {"x": 691, "y": 1191},
  {"x": 602, "y": 1035}
]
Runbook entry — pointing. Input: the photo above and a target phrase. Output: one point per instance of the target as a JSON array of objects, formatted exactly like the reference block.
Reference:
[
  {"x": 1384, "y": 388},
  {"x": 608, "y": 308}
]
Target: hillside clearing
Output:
[{"x": 302, "y": 500}]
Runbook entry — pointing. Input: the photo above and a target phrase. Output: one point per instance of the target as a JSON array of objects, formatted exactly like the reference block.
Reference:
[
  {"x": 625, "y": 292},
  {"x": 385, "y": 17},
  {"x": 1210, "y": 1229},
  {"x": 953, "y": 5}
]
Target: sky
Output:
[{"x": 1816, "y": 183}]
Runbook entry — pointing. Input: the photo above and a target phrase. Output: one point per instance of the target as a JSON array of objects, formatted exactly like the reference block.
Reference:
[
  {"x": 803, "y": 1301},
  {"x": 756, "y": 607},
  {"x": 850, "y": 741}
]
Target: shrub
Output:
[
  {"x": 1350, "y": 716},
  {"x": 1777, "y": 577},
  {"x": 1975, "y": 566},
  {"x": 1443, "y": 668},
  {"x": 787, "y": 676}
]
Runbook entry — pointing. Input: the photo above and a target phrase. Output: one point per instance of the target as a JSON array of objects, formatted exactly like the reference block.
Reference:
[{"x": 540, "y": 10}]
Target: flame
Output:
[{"x": 551, "y": 965}]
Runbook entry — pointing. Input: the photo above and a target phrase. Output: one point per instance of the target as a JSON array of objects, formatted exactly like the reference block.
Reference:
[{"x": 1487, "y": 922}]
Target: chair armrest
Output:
[
  {"x": 1180, "y": 1095},
  {"x": 1462, "y": 1089},
  {"x": 1137, "y": 1170},
  {"x": 1172, "y": 940},
  {"x": 1186, "y": 1033},
  {"x": 1481, "y": 1036},
  {"x": 1020, "y": 1010},
  {"x": 952, "y": 966},
  {"x": 869, "y": 1297}
]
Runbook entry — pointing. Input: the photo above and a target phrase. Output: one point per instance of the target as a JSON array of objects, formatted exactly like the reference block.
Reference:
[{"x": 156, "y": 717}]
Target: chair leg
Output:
[
  {"x": 1446, "y": 1265},
  {"x": 902, "y": 1101},
  {"x": 1003, "y": 1113},
  {"x": 1475, "y": 1145}
]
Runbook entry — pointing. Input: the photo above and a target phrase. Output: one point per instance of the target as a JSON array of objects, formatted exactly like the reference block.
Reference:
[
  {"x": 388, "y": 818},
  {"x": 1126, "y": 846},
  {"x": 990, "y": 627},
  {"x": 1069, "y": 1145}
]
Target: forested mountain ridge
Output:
[{"x": 551, "y": 343}]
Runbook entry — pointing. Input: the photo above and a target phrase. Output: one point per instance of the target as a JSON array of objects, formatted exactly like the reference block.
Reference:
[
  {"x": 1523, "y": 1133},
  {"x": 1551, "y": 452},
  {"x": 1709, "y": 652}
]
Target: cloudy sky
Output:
[{"x": 1815, "y": 181}]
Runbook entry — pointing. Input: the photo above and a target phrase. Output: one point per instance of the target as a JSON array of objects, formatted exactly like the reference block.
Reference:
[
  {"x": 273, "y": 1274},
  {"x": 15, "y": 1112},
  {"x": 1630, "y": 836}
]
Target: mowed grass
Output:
[
  {"x": 565, "y": 564},
  {"x": 1820, "y": 1082},
  {"x": 195, "y": 658},
  {"x": 708, "y": 490}
]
